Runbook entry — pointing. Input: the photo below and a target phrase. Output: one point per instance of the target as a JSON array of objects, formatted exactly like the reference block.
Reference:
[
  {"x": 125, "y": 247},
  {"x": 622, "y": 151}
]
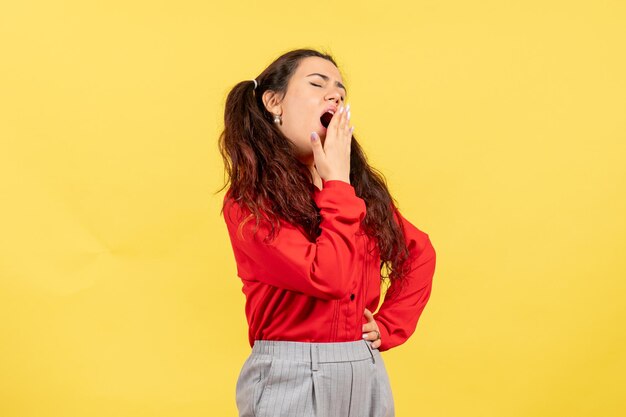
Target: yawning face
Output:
[{"x": 314, "y": 93}]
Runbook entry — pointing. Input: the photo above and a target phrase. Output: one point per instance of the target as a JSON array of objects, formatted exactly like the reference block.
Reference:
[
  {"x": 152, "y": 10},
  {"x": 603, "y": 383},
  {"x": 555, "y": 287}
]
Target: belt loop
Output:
[
  {"x": 315, "y": 357},
  {"x": 369, "y": 347}
]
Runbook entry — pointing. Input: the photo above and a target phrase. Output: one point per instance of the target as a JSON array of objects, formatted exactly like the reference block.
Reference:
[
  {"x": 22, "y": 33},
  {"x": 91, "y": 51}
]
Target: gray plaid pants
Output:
[{"x": 300, "y": 379}]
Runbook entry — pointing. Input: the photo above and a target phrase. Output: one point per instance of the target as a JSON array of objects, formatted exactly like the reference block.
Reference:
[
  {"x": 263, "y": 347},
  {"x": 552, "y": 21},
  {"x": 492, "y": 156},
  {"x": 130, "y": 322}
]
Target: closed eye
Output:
[{"x": 317, "y": 85}]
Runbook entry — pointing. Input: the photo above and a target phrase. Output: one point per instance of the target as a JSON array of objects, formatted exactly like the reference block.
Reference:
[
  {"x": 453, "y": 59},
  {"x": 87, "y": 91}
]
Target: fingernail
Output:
[
  {"x": 341, "y": 109},
  {"x": 348, "y": 107},
  {"x": 364, "y": 335},
  {"x": 348, "y": 114},
  {"x": 313, "y": 136}
]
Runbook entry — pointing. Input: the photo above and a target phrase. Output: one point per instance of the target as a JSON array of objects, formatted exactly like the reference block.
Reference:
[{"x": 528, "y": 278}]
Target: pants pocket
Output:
[
  {"x": 261, "y": 391},
  {"x": 288, "y": 390},
  {"x": 251, "y": 383}
]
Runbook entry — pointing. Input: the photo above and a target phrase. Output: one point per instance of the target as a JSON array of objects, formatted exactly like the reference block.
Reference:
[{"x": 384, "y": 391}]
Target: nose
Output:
[{"x": 334, "y": 95}]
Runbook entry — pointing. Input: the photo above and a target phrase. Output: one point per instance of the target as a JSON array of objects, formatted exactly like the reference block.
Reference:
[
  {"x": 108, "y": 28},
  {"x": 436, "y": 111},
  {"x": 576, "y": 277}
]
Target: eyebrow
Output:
[{"x": 325, "y": 77}]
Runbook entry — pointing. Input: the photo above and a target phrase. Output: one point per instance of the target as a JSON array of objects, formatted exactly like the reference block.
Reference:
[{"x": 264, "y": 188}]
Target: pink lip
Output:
[{"x": 333, "y": 108}]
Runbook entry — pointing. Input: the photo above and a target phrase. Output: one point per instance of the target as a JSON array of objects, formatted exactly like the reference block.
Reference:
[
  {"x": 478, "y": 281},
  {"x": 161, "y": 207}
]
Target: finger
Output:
[
  {"x": 343, "y": 120},
  {"x": 369, "y": 327},
  {"x": 332, "y": 131},
  {"x": 345, "y": 125},
  {"x": 334, "y": 122},
  {"x": 371, "y": 323},
  {"x": 349, "y": 129},
  {"x": 376, "y": 344},
  {"x": 316, "y": 145},
  {"x": 348, "y": 140},
  {"x": 370, "y": 335}
]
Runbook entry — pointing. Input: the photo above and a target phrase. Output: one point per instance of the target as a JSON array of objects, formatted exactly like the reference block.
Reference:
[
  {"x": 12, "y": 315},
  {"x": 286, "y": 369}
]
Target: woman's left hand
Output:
[{"x": 371, "y": 331}]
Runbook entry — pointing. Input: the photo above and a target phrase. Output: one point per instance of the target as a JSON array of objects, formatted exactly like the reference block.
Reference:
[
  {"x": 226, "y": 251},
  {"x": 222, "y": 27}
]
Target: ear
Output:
[{"x": 272, "y": 102}]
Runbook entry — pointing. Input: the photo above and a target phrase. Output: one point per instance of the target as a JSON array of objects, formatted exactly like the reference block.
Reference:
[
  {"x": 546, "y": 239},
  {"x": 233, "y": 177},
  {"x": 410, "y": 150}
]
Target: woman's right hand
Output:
[{"x": 332, "y": 161}]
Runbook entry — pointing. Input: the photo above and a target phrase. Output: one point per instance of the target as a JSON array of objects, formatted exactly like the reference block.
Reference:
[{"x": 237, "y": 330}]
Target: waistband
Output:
[{"x": 316, "y": 352}]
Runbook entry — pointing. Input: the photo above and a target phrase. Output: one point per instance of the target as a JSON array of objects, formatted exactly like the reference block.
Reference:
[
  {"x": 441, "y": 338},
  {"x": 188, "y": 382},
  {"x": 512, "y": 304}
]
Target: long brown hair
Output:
[{"x": 267, "y": 178}]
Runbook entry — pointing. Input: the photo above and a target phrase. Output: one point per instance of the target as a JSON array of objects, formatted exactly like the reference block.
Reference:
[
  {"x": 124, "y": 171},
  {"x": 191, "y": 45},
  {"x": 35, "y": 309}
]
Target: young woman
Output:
[{"x": 313, "y": 227}]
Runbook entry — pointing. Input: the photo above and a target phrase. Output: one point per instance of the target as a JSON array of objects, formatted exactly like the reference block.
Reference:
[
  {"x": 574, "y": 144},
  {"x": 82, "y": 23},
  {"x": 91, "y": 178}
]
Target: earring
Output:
[{"x": 277, "y": 119}]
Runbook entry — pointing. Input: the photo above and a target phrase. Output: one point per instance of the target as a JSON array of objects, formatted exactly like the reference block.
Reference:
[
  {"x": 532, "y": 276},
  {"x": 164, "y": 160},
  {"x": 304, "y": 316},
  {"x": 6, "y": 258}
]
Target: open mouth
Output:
[{"x": 326, "y": 118}]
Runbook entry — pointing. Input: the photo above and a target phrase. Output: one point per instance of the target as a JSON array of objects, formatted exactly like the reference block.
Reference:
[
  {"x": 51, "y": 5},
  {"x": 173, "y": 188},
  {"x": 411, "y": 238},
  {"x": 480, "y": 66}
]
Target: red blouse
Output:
[{"x": 306, "y": 291}]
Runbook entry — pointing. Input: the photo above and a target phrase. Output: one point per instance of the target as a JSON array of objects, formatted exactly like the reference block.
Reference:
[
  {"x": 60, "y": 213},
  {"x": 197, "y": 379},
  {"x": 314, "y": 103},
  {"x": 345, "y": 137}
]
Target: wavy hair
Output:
[{"x": 267, "y": 178}]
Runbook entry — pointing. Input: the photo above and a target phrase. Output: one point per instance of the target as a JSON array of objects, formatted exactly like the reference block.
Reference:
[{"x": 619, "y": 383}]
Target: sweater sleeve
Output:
[
  {"x": 398, "y": 315},
  {"x": 323, "y": 268}
]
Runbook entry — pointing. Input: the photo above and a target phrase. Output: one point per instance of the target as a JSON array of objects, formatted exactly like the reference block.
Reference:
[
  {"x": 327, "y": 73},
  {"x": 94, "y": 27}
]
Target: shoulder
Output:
[{"x": 235, "y": 214}]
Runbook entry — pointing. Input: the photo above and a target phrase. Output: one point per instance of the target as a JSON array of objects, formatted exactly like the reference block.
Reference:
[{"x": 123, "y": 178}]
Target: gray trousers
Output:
[{"x": 300, "y": 379}]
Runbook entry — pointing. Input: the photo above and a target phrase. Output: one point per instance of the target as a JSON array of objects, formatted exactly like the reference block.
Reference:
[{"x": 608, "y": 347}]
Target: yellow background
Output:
[{"x": 500, "y": 127}]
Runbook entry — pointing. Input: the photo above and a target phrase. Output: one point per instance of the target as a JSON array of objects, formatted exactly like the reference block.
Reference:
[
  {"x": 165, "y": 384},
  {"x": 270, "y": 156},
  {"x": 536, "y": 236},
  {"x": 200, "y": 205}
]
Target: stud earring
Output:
[{"x": 277, "y": 119}]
